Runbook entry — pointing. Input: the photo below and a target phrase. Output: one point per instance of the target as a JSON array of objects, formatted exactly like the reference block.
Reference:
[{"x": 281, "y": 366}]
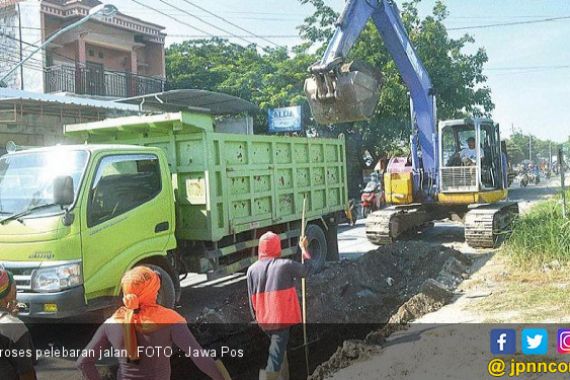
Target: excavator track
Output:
[
  {"x": 386, "y": 225},
  {"x": 486, "y": 226}
]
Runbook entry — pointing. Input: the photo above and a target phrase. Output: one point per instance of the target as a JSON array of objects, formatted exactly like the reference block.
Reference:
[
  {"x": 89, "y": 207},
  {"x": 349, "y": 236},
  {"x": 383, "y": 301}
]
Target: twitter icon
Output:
[{"x": 534, "y": 341}]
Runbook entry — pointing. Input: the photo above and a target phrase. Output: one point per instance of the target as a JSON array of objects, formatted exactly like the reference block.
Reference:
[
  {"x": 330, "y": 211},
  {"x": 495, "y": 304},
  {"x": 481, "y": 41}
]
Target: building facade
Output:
[{"x": 113, "y": 57}]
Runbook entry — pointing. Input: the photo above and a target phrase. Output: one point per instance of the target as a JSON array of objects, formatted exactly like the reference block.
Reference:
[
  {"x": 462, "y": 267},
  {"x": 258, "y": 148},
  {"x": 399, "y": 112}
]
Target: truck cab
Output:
[{"x": 74, "y": 218}]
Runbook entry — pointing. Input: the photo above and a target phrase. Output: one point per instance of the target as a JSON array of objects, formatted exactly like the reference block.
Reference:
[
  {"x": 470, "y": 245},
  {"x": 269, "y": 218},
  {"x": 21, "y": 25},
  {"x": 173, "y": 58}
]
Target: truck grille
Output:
[
  {"x": 459, "y": 179},
  {"x": 22, "y": 274}
]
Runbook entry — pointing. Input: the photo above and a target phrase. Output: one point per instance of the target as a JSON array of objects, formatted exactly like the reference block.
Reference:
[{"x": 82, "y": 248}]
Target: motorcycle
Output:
[
  {"x": 523, "y": 179},
  {"x": 371, "y": 199}
]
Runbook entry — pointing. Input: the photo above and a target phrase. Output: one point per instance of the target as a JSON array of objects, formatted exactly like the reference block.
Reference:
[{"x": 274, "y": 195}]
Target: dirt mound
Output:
[
  {"x": 366, "y": 290},
  {"x": 378, "y": 292},
  {"x": 429, "y": 280}
]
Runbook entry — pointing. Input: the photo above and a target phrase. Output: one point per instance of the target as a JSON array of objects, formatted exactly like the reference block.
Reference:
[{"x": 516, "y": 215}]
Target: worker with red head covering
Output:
[
  {"x": 273, "y": 299},
  {"x": 143, "y": 323},
  {"x": 14, "y": 335}
]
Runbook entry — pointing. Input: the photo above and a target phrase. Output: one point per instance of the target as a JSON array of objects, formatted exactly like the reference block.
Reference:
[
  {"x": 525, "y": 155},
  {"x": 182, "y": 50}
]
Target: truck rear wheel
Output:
[
  {"x": 317, "y": 247},
  {"x": 167, "y": 293}
]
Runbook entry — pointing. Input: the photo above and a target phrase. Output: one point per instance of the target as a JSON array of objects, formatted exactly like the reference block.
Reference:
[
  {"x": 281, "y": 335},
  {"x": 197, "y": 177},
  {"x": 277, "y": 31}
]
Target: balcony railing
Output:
[{"x": 89, "y": 81}]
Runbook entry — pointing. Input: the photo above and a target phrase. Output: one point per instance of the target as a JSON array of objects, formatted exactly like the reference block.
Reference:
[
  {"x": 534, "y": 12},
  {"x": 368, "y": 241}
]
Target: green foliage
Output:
[
  {"x": 271, "y": 78},
  {"x": 541, "y": 236},
  {"x": 518, "y": 147}
]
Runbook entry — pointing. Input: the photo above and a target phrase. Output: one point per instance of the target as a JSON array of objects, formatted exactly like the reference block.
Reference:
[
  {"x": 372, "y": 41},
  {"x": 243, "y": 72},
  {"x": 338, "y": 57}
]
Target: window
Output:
[
  {"x": 26, "y": 178},
  {"x": 455, "y": 144},
  {"x": 449, "y": 145},
  {"x": 122, "y": 183}
]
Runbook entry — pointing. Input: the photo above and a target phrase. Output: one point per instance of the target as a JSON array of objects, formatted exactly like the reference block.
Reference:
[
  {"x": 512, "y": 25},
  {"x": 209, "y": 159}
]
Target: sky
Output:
[{"x": 528, "y": 69}]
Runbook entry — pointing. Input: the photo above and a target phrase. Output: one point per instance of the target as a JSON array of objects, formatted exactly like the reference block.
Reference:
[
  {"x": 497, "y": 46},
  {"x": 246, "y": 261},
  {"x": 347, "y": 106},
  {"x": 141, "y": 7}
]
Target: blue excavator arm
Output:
[{"x": 344, "y": 92}]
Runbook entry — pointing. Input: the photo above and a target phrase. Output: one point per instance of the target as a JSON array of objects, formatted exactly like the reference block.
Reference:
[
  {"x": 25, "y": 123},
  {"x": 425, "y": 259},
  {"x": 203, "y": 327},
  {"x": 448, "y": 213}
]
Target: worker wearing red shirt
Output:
[{"x": 273, "y": 300}]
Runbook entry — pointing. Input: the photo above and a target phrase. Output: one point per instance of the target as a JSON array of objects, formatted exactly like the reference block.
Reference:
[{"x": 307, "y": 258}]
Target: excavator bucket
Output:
[{"x": 346, "y": 95}]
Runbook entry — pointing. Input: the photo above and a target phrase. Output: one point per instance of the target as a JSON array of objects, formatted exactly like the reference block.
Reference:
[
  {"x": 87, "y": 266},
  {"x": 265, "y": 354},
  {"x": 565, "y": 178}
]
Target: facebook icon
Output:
[{"x": 503, "y": 342}]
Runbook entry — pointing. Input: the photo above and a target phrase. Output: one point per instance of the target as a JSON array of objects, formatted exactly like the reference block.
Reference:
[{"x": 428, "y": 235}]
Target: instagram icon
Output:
[{"x": 563, "y": 341}]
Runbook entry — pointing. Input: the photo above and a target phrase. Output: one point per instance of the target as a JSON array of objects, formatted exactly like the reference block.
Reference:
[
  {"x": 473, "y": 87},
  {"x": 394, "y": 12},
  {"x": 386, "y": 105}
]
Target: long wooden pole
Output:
[{"x": 304, "y": 291}]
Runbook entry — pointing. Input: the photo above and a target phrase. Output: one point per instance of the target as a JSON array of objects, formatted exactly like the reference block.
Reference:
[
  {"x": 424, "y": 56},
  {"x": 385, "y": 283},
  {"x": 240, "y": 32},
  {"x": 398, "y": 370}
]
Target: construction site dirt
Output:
[{"x": 351, "y": 299}]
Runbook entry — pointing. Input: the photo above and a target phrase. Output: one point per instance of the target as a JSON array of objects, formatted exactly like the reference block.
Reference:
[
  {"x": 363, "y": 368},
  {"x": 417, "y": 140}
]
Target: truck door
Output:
[{"x": 129, "y": 216}]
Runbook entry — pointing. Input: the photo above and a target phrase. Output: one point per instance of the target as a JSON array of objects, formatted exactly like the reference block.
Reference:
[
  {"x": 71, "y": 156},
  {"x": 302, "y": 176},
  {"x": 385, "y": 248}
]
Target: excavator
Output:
[{"x": 456, "y": 169}]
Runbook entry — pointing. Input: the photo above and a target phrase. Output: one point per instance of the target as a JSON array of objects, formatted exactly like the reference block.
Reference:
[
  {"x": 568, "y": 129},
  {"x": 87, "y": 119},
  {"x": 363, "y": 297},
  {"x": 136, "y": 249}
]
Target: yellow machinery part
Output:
[
  {"x": 398, "y": 188},
  {"x": 471, "y": 198}
]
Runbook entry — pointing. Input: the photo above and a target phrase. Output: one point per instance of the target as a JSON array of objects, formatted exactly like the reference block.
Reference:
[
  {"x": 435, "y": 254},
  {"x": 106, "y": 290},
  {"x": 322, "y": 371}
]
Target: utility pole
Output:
[
  {"x": 21, "y": 46},
  {"x": 530, "y": 147},
  {"x": 562, "y": 164},
  {"x": 550, "y": 157}
]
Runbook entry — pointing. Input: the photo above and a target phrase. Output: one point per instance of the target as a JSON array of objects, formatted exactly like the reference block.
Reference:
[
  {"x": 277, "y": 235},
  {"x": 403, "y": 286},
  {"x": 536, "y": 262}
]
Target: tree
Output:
[
  {"x": 456, "y": 75},
  {"x": 271, "y": 78},
  {"x": 523, "y": 147}
]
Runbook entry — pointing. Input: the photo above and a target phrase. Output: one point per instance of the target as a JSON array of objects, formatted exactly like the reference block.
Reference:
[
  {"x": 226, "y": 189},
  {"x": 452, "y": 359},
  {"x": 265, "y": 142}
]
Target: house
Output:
[{"x": 112, "y": 57}]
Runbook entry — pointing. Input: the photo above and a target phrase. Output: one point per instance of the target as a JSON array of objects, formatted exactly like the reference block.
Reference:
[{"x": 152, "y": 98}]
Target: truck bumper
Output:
[{"x": 63, "y": 304}]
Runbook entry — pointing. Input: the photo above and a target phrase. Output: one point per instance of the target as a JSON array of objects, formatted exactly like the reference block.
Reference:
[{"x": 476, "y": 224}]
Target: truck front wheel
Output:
[{"x": 166, "y": 294}]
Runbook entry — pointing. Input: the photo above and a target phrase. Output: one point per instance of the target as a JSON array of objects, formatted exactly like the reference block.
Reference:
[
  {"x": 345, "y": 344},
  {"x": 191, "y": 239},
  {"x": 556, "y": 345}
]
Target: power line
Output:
[
  {"x": 229, "y": 22},
  {"x": 231, "y": 35},
  {"x": 205, "y": 15},
  {"x": 510, "y": 23},
  {"x": 23, "y": 27},
  {"x": 548, "y": 67},
  {"x": 172, "y": 17},
  {"x": 137, "y": 10},
  {"x": 205, "y": 22},
  {"x": 15, "y": 56},
  {"x": 471, "y": 17},
  {"x": 35, "y": 45}
]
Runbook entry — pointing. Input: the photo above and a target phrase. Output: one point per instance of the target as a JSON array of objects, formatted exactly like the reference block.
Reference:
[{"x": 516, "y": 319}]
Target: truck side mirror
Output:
[{"x": 63, "y": 193}]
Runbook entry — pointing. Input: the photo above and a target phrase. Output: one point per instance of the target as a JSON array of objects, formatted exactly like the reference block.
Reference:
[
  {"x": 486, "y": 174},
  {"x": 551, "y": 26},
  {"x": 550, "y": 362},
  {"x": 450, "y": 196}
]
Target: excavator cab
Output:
[
  {"x": 471, "y": 160},
  {"x": 343, "y": 92}
]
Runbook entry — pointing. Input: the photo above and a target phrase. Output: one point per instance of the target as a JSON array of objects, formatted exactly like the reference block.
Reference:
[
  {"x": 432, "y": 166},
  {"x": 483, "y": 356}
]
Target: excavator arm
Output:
[{"x": 341, "y": 91}]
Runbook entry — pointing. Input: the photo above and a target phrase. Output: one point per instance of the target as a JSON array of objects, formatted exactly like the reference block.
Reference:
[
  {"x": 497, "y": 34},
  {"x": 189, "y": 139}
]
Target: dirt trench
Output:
[{"x": 351, "y": 307}]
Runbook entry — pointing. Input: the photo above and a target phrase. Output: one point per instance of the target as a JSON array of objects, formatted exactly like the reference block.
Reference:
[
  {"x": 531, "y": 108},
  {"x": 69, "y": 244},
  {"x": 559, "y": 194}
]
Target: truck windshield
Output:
[{"x": 26, "y": 179}]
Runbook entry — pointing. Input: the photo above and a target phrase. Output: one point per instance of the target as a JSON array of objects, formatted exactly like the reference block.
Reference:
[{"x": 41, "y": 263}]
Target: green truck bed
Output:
[{"x": 229, "y": 183}]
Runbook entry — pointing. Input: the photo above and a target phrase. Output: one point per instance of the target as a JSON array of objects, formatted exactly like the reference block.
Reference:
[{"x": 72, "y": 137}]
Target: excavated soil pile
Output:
[
  {"x": 426, "y": 284},
  {"x": 367, "y": 290},
  {"x": 346, "y": 301}
]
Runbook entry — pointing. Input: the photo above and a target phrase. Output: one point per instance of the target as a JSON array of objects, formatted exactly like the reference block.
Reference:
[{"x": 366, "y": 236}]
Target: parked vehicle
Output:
[{"x": 165, "y": 191}]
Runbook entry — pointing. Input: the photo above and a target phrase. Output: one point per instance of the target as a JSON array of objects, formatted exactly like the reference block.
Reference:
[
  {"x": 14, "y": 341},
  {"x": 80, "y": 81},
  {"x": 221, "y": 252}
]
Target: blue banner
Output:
[{"x": 286, "y": 119}]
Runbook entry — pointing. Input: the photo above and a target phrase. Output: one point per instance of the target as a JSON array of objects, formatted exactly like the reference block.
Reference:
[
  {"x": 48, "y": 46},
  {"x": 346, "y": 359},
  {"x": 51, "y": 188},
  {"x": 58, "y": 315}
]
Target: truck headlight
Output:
[{"x": 57, "y": 278}]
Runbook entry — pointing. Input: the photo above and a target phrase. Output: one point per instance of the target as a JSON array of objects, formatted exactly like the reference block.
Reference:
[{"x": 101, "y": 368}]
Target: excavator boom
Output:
[{"x": 342, "y": 91}]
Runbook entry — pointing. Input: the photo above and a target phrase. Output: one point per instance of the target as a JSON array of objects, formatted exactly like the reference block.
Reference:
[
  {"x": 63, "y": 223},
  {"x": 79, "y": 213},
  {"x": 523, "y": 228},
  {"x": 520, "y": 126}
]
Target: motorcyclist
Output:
[{"x": 374, "y": 186}]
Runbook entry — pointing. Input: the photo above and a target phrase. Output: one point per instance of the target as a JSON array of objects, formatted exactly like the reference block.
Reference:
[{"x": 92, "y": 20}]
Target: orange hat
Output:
[
  {"x": 6, "y": 281},
  {"x": 269, "y": 246},
  {"x": 141, "y": 312}
]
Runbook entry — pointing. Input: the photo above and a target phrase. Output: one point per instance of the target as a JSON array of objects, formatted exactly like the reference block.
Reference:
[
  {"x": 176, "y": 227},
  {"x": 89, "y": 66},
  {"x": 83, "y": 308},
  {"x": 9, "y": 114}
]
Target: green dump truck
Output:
[{"x": 162, "y": 190}]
